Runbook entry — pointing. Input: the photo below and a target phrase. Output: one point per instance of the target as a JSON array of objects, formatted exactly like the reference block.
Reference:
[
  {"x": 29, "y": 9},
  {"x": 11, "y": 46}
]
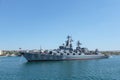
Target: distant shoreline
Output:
[
  {"x": 14, "y": 53},
  {"x": 10, "y": 53},
  {"x": 111, "y": 52}
]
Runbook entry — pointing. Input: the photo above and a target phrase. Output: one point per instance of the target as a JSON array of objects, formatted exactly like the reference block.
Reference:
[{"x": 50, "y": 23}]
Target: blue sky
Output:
[{"x": 31, "y": 23}]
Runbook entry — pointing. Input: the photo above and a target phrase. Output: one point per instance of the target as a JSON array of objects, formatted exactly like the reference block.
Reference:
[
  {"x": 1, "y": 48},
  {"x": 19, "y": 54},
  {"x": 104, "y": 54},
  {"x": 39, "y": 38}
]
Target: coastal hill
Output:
[
  {"x": 115, "y": 52},
  {"x": 9, "y": 53}
]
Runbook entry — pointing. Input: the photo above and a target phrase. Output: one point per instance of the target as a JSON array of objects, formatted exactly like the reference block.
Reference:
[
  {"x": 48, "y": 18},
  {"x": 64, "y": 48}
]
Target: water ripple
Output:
[{"x": 13, "y": 68}]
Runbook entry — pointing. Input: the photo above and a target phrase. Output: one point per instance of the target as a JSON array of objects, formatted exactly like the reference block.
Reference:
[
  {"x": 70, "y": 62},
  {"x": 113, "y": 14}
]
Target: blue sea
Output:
[{"x": 17, "y": 68}]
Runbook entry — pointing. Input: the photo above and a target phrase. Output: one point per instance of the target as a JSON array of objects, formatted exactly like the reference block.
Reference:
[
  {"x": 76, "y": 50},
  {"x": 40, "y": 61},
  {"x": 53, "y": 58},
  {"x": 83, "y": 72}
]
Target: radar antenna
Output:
[{"x": 78, "y": 44}]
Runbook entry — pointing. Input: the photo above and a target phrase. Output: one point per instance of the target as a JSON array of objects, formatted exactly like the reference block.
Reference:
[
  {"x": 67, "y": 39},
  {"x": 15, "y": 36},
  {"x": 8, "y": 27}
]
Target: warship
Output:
[{"x": 64, "y": 52}]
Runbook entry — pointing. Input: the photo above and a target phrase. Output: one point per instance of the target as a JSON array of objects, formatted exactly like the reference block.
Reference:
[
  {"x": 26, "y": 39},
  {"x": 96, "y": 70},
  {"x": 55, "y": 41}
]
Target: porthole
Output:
[
  {"x": 68, "y": 54},
  {"x": 61, "y": 54},
  {"x": 50, "y": 52}
]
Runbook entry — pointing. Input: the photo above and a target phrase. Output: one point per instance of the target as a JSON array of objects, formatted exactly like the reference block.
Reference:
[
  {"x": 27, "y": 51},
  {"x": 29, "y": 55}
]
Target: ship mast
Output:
[
  {"x": 78, "y": 44},
  {"x": 69, "y": 42}
]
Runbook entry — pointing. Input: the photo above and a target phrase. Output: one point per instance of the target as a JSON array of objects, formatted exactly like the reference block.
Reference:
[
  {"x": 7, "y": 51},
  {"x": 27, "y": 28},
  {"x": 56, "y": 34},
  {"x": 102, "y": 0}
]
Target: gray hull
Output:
[{"x": 48, "y": 57}]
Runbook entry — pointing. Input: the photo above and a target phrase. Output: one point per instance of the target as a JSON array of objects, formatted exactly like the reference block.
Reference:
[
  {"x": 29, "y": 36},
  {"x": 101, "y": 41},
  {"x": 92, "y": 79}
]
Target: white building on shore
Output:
[{"x": 1, "y": 52}]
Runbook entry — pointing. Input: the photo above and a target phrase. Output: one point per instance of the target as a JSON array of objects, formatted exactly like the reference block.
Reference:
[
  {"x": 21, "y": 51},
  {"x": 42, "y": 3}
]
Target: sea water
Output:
[{"x": 17, "y": 68}]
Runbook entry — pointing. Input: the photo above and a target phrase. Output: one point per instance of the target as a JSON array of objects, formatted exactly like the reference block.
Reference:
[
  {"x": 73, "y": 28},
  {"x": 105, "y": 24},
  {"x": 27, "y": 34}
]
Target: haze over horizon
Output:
[{"x": 29, "y": 24}]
